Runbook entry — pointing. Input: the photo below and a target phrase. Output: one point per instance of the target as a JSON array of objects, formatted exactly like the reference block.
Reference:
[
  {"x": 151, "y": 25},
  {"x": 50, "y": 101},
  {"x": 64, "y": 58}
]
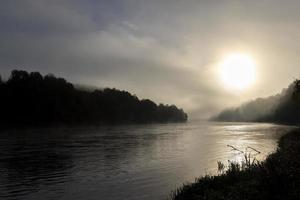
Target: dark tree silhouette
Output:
[
  {"x": 288, "y": 110},
  {"x": 281, "y": 108},
  {"x": 29, "y": 99}
]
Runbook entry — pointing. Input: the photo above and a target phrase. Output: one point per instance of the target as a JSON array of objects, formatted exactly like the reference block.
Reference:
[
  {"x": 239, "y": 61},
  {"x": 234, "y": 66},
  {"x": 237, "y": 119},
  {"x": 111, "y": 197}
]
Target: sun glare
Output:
[{"x": 237, "y": 71}]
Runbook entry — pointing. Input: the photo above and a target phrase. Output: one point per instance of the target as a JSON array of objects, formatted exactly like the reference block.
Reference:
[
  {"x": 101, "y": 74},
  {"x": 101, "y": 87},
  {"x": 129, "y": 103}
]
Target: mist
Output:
[
  {"x": 149, "y": 99},
  {"x": 153, "y": 48},
  {"x": 281, "y": 108}
]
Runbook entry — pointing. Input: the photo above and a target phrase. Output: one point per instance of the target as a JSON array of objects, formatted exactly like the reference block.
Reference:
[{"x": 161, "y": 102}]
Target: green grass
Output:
[{"x": 278, "y": 177}]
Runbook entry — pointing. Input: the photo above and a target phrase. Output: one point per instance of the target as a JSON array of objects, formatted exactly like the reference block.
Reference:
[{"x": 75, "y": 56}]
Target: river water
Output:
[{"x": 122, "y": 162}]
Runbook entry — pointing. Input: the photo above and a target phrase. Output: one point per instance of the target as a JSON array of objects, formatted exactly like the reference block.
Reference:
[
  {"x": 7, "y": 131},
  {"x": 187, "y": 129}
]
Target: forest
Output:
[
  {"x": 281, "y": 108},
  {"x": 30, "y": 99}
]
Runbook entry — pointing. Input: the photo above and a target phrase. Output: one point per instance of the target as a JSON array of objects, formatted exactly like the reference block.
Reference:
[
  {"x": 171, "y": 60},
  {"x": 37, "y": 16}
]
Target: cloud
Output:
[{"x": 163, "y": 50}]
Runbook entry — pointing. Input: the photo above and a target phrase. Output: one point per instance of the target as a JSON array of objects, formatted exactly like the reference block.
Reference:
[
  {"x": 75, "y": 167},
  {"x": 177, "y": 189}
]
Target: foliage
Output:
[
  {"x": 281, "y": 108},
  {"x": 278, "y": 177},
  {"x": 30, "y": 99},
  {"x": 288, "y": 111}
]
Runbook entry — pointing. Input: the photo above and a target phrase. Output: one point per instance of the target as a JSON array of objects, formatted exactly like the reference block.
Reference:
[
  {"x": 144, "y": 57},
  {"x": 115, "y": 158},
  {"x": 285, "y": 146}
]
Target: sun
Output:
[{"x": 237, "y": 71}]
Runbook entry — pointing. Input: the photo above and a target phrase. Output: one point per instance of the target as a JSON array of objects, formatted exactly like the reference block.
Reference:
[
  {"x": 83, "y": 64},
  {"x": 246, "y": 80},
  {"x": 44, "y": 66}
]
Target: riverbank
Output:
[{"x": 278, "y": 177}]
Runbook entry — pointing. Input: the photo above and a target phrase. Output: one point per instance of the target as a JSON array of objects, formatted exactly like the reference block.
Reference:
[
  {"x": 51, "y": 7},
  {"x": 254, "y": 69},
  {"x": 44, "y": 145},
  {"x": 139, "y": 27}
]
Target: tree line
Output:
[
  {"x": 30, "y": 99},
  {"x": 288, "y": 109},
  {"x": 281, "y": 108}
]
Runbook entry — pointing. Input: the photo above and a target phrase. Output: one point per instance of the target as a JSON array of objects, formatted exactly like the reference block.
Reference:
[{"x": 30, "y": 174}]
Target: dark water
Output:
[{"x": 121, "y": 162}]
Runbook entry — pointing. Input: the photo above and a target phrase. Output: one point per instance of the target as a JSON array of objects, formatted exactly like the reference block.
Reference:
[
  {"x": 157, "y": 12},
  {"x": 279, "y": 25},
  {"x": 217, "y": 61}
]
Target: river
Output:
[{"x": 122, "y": 162}]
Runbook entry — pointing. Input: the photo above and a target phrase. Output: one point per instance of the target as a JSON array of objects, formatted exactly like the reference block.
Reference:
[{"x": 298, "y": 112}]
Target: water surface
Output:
[{"x": 121, "y": 162}]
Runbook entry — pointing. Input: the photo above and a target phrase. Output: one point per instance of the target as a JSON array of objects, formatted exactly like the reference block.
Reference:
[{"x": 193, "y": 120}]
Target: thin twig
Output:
[
  {"x": 253, "y": 149},
  {"x": 235, "y": 149}
]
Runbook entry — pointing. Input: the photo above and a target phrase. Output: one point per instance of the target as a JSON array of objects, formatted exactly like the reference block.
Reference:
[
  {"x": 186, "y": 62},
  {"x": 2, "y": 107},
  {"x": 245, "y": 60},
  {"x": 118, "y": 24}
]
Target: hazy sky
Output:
[{"x": 165, "y": 50}]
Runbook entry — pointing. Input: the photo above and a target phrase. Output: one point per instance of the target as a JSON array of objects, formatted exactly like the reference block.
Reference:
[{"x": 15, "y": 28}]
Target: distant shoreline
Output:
[
  {"x": 29, "y": 99},
  {"x": 83, "y": 125}
]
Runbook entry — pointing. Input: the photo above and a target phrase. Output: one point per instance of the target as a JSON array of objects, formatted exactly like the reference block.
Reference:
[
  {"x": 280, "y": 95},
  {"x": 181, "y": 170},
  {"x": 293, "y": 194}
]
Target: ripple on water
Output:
[{"x": 121, "y": 162}]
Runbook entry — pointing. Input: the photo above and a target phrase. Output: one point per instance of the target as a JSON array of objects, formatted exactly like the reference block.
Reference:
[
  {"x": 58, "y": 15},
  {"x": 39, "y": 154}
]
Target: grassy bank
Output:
[{"x": 278, "y": 177}]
